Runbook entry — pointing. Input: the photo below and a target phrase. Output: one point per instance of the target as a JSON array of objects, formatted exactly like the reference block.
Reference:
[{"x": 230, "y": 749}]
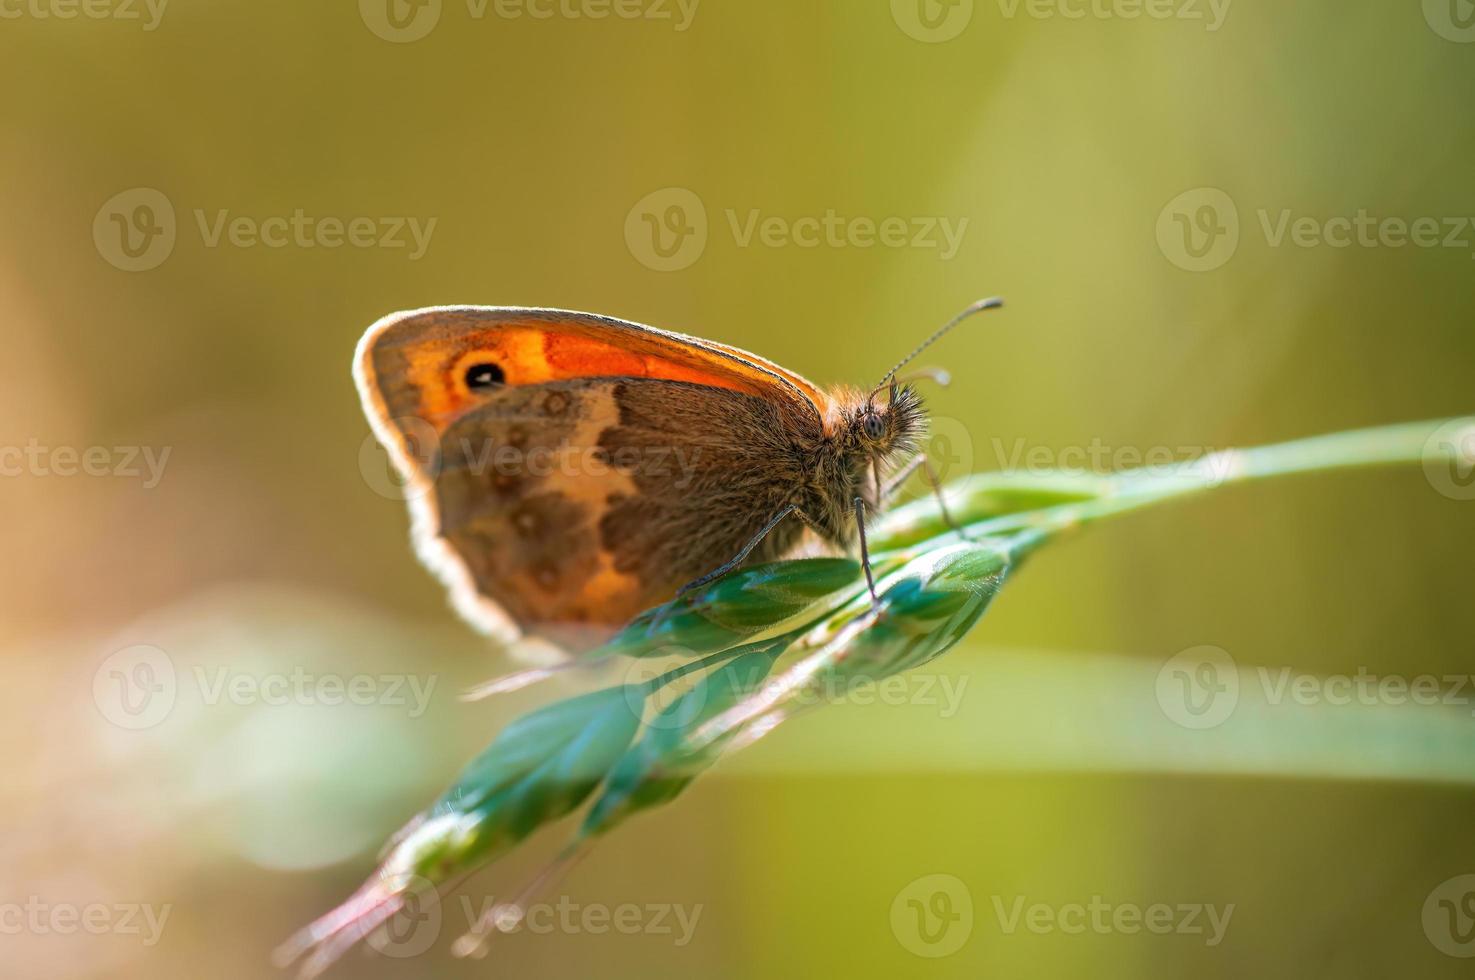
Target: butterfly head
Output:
[{"x": 883, "y": 431}]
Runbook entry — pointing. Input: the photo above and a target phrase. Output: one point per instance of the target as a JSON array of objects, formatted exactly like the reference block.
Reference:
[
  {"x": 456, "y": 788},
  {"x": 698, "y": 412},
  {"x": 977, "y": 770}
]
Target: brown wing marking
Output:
[
  {"x": 518, "y": 493},
  {"x": 585, "y": 502}
]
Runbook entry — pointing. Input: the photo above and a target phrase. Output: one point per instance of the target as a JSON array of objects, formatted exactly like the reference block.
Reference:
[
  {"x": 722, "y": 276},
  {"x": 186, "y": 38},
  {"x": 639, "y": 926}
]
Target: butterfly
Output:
[{"x": 566, "y": 471}]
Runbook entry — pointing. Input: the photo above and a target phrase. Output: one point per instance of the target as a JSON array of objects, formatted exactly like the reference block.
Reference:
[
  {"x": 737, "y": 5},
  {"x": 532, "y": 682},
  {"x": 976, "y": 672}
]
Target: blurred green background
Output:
[{"x": 1080, "y": 151}]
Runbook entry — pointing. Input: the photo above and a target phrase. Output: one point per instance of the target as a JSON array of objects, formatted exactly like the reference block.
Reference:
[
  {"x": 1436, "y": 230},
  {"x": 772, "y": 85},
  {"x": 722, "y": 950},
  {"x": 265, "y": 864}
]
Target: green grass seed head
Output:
[{"x": 755, "y": 643}]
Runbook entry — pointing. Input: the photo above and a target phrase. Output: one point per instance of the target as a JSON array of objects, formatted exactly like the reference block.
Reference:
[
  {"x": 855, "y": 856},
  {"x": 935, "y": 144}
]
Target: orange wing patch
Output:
[{"x": 415, "y": 365}]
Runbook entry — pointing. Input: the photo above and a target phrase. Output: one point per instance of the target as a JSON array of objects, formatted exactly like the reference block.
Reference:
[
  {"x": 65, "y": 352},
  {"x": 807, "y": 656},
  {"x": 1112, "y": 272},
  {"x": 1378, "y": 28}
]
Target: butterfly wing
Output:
[{"x": 611, "y": 463}]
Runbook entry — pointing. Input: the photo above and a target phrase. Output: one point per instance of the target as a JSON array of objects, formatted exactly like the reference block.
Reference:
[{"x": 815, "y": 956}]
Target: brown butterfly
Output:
[{"x": 566, "y": 470}]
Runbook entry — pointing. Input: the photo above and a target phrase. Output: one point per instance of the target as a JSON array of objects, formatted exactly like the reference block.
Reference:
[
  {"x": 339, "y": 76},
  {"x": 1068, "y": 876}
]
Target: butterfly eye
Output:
[
  {"x": 875, "y": 428},
  {"x": 484, "y": 376}
]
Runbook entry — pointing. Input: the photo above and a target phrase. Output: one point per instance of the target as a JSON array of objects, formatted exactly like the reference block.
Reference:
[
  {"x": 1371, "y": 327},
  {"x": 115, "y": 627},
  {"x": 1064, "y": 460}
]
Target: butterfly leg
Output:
[
  {"x": 921, "y": 462},
  {"x": 741, "y": 556},
  {"x": 941, "y": 500},
  {"x": 895, "y": 483},
  {"x": 865, "y": 551}
]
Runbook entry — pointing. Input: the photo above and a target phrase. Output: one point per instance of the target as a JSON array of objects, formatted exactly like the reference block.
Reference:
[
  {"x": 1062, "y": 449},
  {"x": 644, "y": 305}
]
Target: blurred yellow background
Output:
[{"x": 1136, "y": 186}]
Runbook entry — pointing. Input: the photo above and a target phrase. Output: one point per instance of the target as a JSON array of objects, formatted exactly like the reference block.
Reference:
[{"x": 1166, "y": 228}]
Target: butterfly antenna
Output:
[{"x": 992, "y": 303}]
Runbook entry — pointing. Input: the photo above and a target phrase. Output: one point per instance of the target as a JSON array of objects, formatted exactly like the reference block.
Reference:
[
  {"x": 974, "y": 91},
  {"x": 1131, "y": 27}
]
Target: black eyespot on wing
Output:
[{"x": 484, "y": 376}]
